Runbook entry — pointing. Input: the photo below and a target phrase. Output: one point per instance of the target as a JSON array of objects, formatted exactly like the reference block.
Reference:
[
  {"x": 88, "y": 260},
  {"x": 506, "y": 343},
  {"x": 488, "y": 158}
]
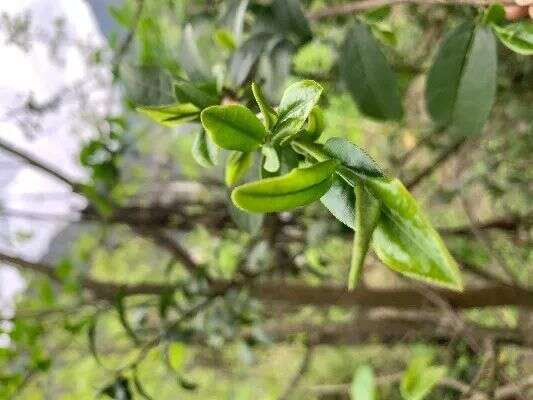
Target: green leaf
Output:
[
  {"x": 364, "y": 384},
  {"x": 186, "y": 92},
  {"x": 517, "y": 36},
  {"x": 405, "y": 240},
  {"x": 495, "y": 14},
  {"x": 367, "y": 75},
  {"x": 234, "y": 127},
  {"x": 269, "y": 114},
  {"x": 461, "y": 84},
  {"x": 91, "y": 334},
  {"x": 366, "y": 218},
  {"x": 225, "y": 39},
  {"x": 190, "y": 59},
  {"x": 204, "y": 150},
  {"x": 315, "y": 124},
  {"x": 298, "y": 188},
  {"x": 271, "y": 161},
  {"x": 176, "y": 355},
  {"x": 290, "y": 17},
  {"x": 246, "y": 57},
  {"x": 296, "y": 104},
  {"x": 237, "y": 165},
  {"x": 340, "y": 201},
  {"x": 171, "y": 114},
  {"x": 420, "y": 378},
  {"x": 352, "y": 156}
]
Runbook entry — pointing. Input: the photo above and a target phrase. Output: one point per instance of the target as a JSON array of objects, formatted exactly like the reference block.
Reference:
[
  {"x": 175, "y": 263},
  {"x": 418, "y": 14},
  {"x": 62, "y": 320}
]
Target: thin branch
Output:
[
  {"x": 304, "y": 366},
  {"x": 38, "y": 164},
  {"x": 443, "y": 157},
  {"x": 302, "y": 294},
  {"x": 363, "y": 5}
]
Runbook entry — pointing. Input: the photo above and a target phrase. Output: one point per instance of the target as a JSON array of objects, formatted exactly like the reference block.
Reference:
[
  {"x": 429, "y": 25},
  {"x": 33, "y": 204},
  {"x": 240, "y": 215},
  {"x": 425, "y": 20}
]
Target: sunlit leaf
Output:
[
  {"x": 420, "y": 378},
  {"x": 234, "y": 127},
  {"x": 171, "y": 114},
  {"x": 298, "y": 188},
  {"x": 176, "y": 355},
  {"x": 364, "y": 384}
]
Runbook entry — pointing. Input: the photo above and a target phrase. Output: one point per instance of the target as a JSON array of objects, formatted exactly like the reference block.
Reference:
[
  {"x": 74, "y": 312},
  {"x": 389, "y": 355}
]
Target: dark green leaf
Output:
[
  {"x": 275, "y": 66},
  {"x": 187, "y": 92},
  {"x": 269, "y": 114},
  {"x": 204, "y": 150},
  {"x": 290, "y": 17},
  {"x": 91, "y": 334},
  {"x": 234, "y": 127},
  {"x": 366, "y": 219},
  {"x": 517, "y": 36},
  {"x": 461, "y": 84},
  {"x": 367, "y": 75},
  {"x": 237, "y": 166},
  {"x": 298, "y": 188},
  {"x": 494, "y": 15},
  {"x": 340, "y": 201},
  {"x": 171, "y": 114},
  {"x": 420, "y": 378},
  {"x": 296, "y": 104},
  {"x": 246, "y": 57},
  {"x": 352, "y": 156},
  {"x": 363, "y": 384}
]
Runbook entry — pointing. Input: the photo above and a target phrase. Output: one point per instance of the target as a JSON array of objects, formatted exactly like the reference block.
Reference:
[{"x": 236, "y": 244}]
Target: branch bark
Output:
[{"x": 301, "y": 294}]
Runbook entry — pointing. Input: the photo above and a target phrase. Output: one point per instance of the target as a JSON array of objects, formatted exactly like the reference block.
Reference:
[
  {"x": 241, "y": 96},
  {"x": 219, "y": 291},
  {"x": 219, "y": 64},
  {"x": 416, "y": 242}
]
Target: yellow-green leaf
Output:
[
  {"x": 234, "y": 127},
  {"x": 366, "y": 218},
  {"x": 269, "y": 114},
  {"x": 364, "y": 384},
  {"x": 298, "y": 188},
  {"x": 171, "y": 114},
  {"x": 405, "y": 240},
  {"x": 237, "y": 166},
  {"x": 176, "y": 355}
]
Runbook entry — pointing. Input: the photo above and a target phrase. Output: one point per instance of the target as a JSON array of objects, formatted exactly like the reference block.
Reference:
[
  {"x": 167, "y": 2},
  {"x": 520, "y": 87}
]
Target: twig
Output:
[
  {"x": 38, "y": 164},
  {"x": 444, "y": 156},
  {"x": 304, "y": 366}
]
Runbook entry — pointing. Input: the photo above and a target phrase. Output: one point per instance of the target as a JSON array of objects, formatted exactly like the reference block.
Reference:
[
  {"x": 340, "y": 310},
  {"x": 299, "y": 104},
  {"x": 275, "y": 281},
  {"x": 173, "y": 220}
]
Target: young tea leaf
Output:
[
  {"x": 271, "y": 161},
  {"x": 234, "y": 127},
  {"x": 315, "y": 124},
  {"x": 269, "y": 114},
  {"x": 461, "y": 84},
  {"x": 296, "y": 104},
  {"x": 237, "y": 165},
  {"x": 186, "y": 92},
  {"x": 517, "y": 36},
  {"x": 405, "y": 240},
  {"x": 171, "y": 114},
  {"x": 298, "y": 188},
  {"x": 204, "y": 150},
  {"x": 366, "y": 218},
  {"x": 363, "y": 384},
  {"x": 367, "y": 75}
]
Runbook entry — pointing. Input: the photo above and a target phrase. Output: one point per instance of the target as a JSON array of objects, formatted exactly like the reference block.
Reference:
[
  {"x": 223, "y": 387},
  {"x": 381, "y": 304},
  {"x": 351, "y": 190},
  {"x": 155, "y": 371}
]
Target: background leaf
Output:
[
  {"x": 204, "y": 150},
  {"x": 367, "y": 75},
  {"x": 363, "y": 384},
  {"x": 187, "y": 92},
  {"x": 461, "y": 84},
  {"x": 171, "y": 115},
  {"x": 420, "y": 378}
]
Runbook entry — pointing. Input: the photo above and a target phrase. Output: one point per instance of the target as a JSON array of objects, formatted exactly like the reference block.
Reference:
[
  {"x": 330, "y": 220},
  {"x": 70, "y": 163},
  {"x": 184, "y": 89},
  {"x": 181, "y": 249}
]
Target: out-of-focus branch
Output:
[
  {"x": 301, "y": 294},
  {"x": 363, "y": 5},
  {"x": 38, "y": 164}
]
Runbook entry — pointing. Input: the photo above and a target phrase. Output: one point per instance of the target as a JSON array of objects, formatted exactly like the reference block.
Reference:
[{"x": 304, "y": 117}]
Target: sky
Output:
[{"x": 38, "y": 73}]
